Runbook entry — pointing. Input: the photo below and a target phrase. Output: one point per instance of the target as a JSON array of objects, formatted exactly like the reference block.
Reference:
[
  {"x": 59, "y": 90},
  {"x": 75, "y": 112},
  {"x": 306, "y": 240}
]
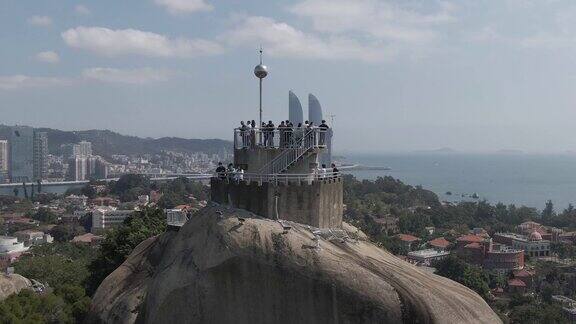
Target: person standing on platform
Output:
[
  {"x": 335, "y": 171},
  {"x": 221, "y": 171},
  {"x": 244, "y": 134},
  {"x": 271, "y": 128},
  {"x": 323, "y": 130}
]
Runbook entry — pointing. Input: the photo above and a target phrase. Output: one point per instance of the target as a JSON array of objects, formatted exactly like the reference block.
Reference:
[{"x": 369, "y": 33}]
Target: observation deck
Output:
[
  {"x": 279, "y": 151},
  {"x": 277, "y": 175}
]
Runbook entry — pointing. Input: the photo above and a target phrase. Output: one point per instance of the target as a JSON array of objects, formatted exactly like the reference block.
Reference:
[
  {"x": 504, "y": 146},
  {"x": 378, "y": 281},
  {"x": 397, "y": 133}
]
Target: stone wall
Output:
[{"x": 316, "y": 203}]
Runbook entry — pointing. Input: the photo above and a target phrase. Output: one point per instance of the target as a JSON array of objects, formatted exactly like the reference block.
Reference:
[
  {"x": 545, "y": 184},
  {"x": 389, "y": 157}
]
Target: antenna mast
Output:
[{"x": 261, "y": 71}]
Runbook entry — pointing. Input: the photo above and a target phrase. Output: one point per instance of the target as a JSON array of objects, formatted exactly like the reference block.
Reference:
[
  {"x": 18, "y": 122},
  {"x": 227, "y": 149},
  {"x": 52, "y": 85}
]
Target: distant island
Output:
[{"x": 438, "y": 150}]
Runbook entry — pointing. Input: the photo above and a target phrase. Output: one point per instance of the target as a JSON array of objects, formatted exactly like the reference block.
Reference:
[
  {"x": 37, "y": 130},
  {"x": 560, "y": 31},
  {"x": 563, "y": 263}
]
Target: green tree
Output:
[
  {"x": 28, "y": 307},
  {"x": 548, "y": 212},
  {"x": 45, "y": 215},
  {"x": 57, "y": 264},
  {"x": 170, "y": 200},
  {"x": 66, "y": 232},
  {"x": 88, "y": 191},
  {"x": 130, "y": 186},
  {"x": 86, "y": 222},
  {"x": 470, "y": 276},
  {"x": 120, "y": 242}
]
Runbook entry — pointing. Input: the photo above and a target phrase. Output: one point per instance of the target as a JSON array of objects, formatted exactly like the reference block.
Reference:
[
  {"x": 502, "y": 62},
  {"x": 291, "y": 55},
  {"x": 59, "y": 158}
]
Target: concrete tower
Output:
[{"x": 277, "y": 174}]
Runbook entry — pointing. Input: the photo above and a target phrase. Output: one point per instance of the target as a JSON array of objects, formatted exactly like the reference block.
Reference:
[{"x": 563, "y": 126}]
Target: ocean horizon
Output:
[{"x": 520, "y": 179}]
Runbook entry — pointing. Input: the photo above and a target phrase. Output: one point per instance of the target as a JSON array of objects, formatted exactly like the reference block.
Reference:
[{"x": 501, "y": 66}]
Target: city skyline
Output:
[{"x": 459, "y": 74}]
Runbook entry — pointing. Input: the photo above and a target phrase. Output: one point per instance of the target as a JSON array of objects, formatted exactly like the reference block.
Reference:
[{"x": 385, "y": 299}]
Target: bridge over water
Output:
[{"x": 60, "y": 187}]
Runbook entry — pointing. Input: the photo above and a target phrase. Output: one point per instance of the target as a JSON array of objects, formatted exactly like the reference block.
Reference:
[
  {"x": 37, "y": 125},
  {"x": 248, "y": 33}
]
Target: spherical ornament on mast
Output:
[{"x": 261, "y": 71}]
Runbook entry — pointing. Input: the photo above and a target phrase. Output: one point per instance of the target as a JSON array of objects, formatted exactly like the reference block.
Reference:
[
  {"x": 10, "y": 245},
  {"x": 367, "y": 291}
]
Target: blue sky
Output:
[{"x": 399, "y": 75}]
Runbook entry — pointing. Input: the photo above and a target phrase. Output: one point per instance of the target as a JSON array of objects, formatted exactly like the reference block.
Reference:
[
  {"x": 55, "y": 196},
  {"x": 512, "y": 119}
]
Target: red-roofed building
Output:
[
  {"x": 473, "y": 248},
  {"x": 473, "y": 253},
  {"x": 516, "y": 286},
  {"x": 568, "y": 238},
  {"x": 407, "y": 240},
  {"x": 88, "y": 238},
  {"x": 105, "y": 201},
  {"x": 503, "y": 259},
  {"x": 526, "y": 276},
  {"x": 439, "y": 243},
  {"x": 497, "y": 292},
  {"x": 470, "y": 238}
]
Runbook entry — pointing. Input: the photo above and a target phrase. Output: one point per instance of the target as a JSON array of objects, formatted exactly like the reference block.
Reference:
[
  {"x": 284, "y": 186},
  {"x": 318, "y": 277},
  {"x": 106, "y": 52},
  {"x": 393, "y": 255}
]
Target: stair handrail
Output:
[{"x": 292, "y": 153}]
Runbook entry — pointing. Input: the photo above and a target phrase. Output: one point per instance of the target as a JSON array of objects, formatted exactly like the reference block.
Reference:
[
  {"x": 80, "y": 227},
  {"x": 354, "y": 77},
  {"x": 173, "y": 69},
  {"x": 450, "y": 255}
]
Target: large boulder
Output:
[
  {"x": 220, "y": 268},
  {"x": 12, "y": 284}
]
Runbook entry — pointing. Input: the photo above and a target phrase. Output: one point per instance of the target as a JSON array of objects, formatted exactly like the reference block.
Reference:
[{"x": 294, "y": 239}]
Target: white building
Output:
[
  {"x": 9, "y": 244},
  {"x": 74, "y": 200},
  {"x": 143, "y": 200},
  {"x": 33, "y": 237},
  {"x": 533, "y": 245},
  {"x": 426, "y": 257},
  {"x": 105, "y": 217},
  {"x": 85, "y": 148},
  {"x": 177, "y": 216}
]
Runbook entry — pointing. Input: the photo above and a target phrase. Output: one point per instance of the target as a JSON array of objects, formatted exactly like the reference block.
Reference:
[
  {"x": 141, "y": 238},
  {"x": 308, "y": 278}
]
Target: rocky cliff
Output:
[
  {"x": 12, "y": 284},
  {"x": 229, "y": 266}
]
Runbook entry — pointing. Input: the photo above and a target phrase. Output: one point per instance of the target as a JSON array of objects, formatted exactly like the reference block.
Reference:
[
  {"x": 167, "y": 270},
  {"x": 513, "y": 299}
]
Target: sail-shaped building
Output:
[
  {"x": 295, "y": 113},
  {"x": 314, "y": 110},
  {"x": 315, "y": 115}
]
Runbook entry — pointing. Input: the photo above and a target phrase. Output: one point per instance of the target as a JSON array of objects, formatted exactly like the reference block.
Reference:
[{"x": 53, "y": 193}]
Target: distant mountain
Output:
[
  {"x": 106, "y": 143},
  {"x": 509, "y": 151},
  {"x": 439, "y": 150}
]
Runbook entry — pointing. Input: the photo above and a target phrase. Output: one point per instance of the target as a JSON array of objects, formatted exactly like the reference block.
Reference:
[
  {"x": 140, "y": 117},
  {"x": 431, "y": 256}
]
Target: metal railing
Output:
[
  {"x": 297, "y": 148},
  {"x": 278, "y": 137},
  {"x": 318, "y": 175}
]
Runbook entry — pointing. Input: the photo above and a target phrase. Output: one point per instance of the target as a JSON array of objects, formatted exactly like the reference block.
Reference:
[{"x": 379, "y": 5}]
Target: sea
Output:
[{"x": 520, "y": 179}]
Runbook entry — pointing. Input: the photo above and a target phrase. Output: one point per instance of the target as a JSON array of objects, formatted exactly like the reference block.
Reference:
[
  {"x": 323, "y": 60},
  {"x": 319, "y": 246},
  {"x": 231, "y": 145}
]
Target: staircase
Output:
[{"x": 296, "y": 149}]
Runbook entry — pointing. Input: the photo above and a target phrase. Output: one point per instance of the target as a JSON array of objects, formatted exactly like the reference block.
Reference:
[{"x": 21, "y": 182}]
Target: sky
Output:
[{"x": 398, "y": 75}]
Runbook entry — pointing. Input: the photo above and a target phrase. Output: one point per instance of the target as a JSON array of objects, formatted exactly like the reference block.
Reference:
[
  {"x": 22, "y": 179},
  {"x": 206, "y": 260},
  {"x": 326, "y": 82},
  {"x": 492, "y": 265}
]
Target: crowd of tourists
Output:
[
  {"x": 289, "y": 135},
  {"x": 236, "y": 173}
]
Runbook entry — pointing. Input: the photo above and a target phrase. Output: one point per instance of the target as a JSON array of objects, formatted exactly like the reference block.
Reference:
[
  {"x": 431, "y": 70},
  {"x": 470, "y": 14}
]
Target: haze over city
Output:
[{"x": 398, "y": 75}]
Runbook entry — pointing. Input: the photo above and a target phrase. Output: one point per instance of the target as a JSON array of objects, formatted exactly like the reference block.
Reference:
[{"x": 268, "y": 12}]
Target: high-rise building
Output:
[
  {"x": 21, "y": 154},
  {"x": 77, "y": 168},
  {"x": 295, "y": 114},
  {"x": 3, "y": 160},
  {"x": 40, "y": 155},
  {"x": 83, "y": 168},
  {"x": 84, "y": 148}
]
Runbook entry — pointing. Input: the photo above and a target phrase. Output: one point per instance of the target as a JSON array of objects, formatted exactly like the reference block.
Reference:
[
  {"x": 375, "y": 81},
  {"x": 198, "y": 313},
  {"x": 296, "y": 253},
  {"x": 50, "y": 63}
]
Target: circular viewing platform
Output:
[{"x": 280, "y": 138}]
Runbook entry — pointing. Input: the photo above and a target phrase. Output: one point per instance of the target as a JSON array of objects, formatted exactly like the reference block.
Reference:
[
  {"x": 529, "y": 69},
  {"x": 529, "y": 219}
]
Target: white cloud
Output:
[
  {"x": 82, "y": 10},
  {"x": 14, "y": 82},
  {"x": 485, "y": 34},
  {"x": 110, "y": 42},
  {"x": 544, "y": 40},
  {"x": 177, "y": 7},
  {"x": 48, "y": 57},
  {"x": 283, "y": 40},
  {"x": 385, "y": 20},
  {"x": 40, "y": 21},
  {"x": 129, "y": 76}
]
